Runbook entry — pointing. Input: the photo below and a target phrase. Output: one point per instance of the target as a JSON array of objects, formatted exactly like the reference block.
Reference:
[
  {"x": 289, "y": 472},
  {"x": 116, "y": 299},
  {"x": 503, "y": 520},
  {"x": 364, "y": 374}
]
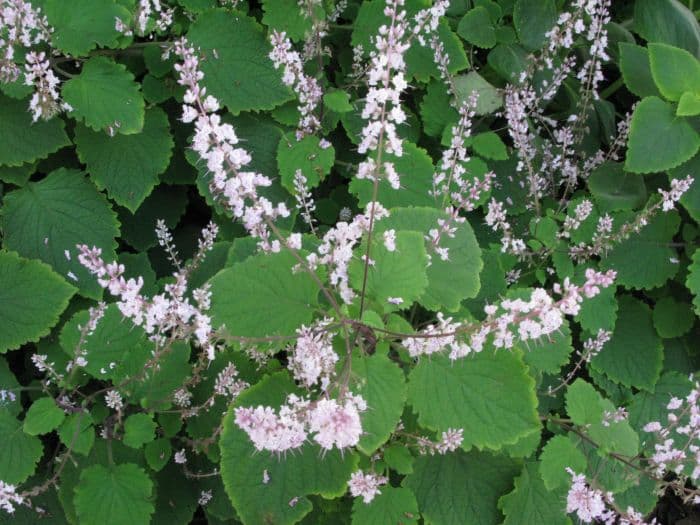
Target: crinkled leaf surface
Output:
[
  {"x": 20, "y": 452},
  {"x": 393, "y": 505},
  {"x": 531, "y": 502},
  {"x": 42, "y": 417}
]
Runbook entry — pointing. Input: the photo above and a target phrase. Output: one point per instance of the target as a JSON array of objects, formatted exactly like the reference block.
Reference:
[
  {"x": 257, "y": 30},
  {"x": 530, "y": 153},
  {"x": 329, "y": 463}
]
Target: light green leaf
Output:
[
  {"x": 393, "y": 505},
  {"x": 490, "y": 146},
  {"x": 549, "y": 354},
  {"x": 282, "y": 500},
  {"x": 636, "y": 71},
  {"x": 382, "y": 385},
  {"x": 477, "y": 28},
  {"x": 672, "y": 318},
  {"x": 290, "y": 17},
  {"x": 688, "y": 105},
  {"x": 127, "y": 166},
  {"x": 532, "y": 19},
  {"x": 436, "y": 111},
  {"x": 459, "y": 488},
  {"x": 118, "y": 495},
  {"x": 667, "y": 21},
  {"x": 658, "y": 139},
  {"x": 557, "y": 455},
  {"x": 531, "y": 502},
  {"x": 261, "y": 296},
  {"x": 23, "y": 141},
  {"x": 139, "y": 429},
  {"x": 490, "y": 395},
  {"x": 78, "y": 35},
  {"x": 106, "y": 97},
  {"x": 306, "y": 155},
  {"x": 46, "y": 219},
  {"x": 399, "y": 458},
  {"x": 490, "y": 99},
  {"x": 43, "y": 417},
  {"x": 32, "y": 297},
  {"x": 19, "y": 453},
  {"x": 337, "y": 100},
  {"x": 78, "y": 433},
  {"x": 675, "y": 71},
  {"x": 237, "y": 69}
]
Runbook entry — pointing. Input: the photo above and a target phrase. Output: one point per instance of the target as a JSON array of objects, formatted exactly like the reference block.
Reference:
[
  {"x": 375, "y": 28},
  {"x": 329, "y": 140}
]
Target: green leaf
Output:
[
  {"x": 127, "y": 166},
  {"x": 489, "y": 145},
  {"x": 451, "y": 281},
  {"x": 337, "y": 100},
  {"x": 420, "y": 60},
  {"x": 558, "y": 454},
  {"x": 490, "y": 395},
  {"x": 78, "y": 35},
  {"x": 688, "y": 105},
  {"x": 261, "y": 296},
  {"x": 282, "y": 500},
  {"x": 477, "y": 28},
  {"x": 290, "y": 17},
  {"x": 45, "y": 219},
  {"x": 459, "y": 488},
  {"x": 43, "y": 417},
  {"x": 158, "y": 453},
  {"x": 106, "y": 97},
  {"x": 672, "y": 318},
  {"x": 615, "y": 189},
  {"x": 436, "y": 111},
  {"x": 693, "y": 280},
  {"x": 636, "y": 71},
  {"x": 634, "y": 354},
  {"x": 306, "y": 155},
  {"x": 509, "y": 61},
  {"x": 393, "y": 505},
  {"x": 415, "y": 169},
  {"x": 118, "y": 495},
  {"x": 11, "y": 404},
  {"x": 139, "y": 429},
  {"x": 659, "y": 140},
  {"x": 32, "y": 297},
  {"x": 490, "y": 98},
  {"x": 531, "y": 502},
  {"x": 549, "y": 354},
  {"x": 20, "y": 452},
  {"x": 382, "y": 385},
  {"x": 675, "y": 71},
  {"x": 23, "y": 141},
  {"x": 587, "y": 407},
  {"x": 395, "y": 274},
  {"x": 667, "y": 21},
  {"x": 154, "y": 392},
  {"x": 532, "y": 19},
  {"x": 650, "y": 245},
  {"x": 237, "y": 69},
  {"x": 399, "y": 458},
  {"x": 78, "y": 433}
]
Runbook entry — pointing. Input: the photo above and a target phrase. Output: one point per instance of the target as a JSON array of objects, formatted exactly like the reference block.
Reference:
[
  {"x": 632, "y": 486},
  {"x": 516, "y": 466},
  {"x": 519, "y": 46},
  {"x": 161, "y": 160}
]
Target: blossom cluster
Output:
[
  {"x": 313, "y": 359},
  {"x": 366, "y": 485},
  {"x": 148, "y": 14}
]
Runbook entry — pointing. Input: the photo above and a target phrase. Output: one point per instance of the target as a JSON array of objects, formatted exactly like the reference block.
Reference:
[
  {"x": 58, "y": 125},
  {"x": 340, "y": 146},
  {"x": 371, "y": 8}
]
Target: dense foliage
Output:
[{"x": 365, "y": 261}]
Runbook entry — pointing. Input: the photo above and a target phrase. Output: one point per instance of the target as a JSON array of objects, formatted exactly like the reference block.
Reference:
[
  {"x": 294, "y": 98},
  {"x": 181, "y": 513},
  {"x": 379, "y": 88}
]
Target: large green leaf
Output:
[
  {"x": 557, "y": 455},
  {"x": 615, "y": 189},
  {"x": 262, "y": 296},
  {"x": 118, "y": 495},
  {"x": 290, "y": 17},
  {"x": 306, "y": 155},
  {"x": 32, "y": 297},
  {"x": 46, "y": 219},
  {"x": 659, "y": 140},
  {"x": 20, "y": 452},
  {"x": 21, "y": 140},
  {"x": 78, "y": 35},
  {"x": 634, "y": 354},
  {"x": 531, "y": 502},
  {"x": 282, "y": 500},
  {"x": 675, "y": 71},
  {"x": 636, "y": 71},
  {"x": 532, "y": 19},
  {"x": 237, "y": 69},
  {"x": 459, "y": 488},
  {"x": 106, "y": 97},
  {"x": 393, "y": 505},
  {"x": 490, "y": 395},
  {"x": 43, "y": 417},
  {"x": 127, "y": 166},
  {"x": 667, "y": 21},
  {"x": 382, "y": 385},
  {"x": 477, "y": 27},
  {"x": 672, "y": 318}
]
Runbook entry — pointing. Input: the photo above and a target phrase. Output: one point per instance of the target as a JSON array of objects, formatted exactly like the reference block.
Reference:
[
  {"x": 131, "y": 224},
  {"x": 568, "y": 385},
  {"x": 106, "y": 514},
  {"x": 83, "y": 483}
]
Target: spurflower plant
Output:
[{"x": 364, "y": 262}]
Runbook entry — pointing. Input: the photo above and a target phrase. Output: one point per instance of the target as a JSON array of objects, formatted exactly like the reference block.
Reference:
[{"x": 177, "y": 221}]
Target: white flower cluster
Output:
[
  {"x": 149, "y": 13},
  {"x": 313, "y": 359},
  {"x": 9, "y": 497},
  {"x": 333, "y": 423},
  {"x": 306, "y": 87},
  {"x": 450, "y": 440},
  {"x": 168, "y": 313},
  {"x": 21, "y": 24},
  {"x": 305, "y": 201},
  {"x": 366, "y": 485},
  {"x": 216, "y": 143},
  {"x": 45, "y": 102},
  {"x": 678, "y": 188},
  {"x": 227, "y": 383}
]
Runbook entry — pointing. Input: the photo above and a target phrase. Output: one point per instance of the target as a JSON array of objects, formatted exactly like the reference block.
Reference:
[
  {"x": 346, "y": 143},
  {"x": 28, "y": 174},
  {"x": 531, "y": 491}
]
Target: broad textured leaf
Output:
[
  {"x": 23, "y": 141},
  {"x": 291, "y": 17},
  {"x": 615, "y": 189},
  {"x": 490, "y": 98},
  {"x": 531, "y": 502},
  {"x": 586, "y": 407},
  {"x": 127, "y": 166},
  {"x": 81, "y": 25},
  {"x": 490, "y": 395},
  {"x": 675, "y": 71},
  {"x": 477, "y": 28},
  {"x": 43, "y": 417},
  {"x": 490, "y": 146},
  {"x": 262, "y": 296},
  {"x": 672, "y": 318},
  {"x": 300, "y": 474},
  {"x": 139, "y": 429},
  {"x": 32, "y": 297},
  {"x": 393, "y": 505},
  {"x": 306, "y": 155},
  {"x": 118, "y": 495},
  {"x": 237, "y": 69},
  {"x": 650, "y": 245},
  {"x": 436, "y": 111},
  {"x": 77, "y": 432},
  {"x": 155, "y": 390},
  {"x": 19, "y": 453},
  {"x": 667, "y": 21},
  {"x": 382, "y": 385},
  {"x": 395, "y": 274},
  {"x": 557, "y": 455},
  {"x": 158, "y": 453},
  {"x": 532, "y": 19},
  {"x": 659, "y": 140},
  {"x": 459, "y": 488},
  {"x": 45, "y": 219},
  {"x": 636, "y": 71},
  {"x": 550, "y": 353},
  {"x": 106, "y": 97},
  {"x": 634, "y": 354},
  {"x": 451, "y": 281}
]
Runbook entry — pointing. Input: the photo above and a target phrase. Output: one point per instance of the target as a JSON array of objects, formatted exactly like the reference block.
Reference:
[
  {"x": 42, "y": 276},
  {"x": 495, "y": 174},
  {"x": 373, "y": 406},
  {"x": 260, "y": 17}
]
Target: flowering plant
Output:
[{"x": 445, "y": 265}]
